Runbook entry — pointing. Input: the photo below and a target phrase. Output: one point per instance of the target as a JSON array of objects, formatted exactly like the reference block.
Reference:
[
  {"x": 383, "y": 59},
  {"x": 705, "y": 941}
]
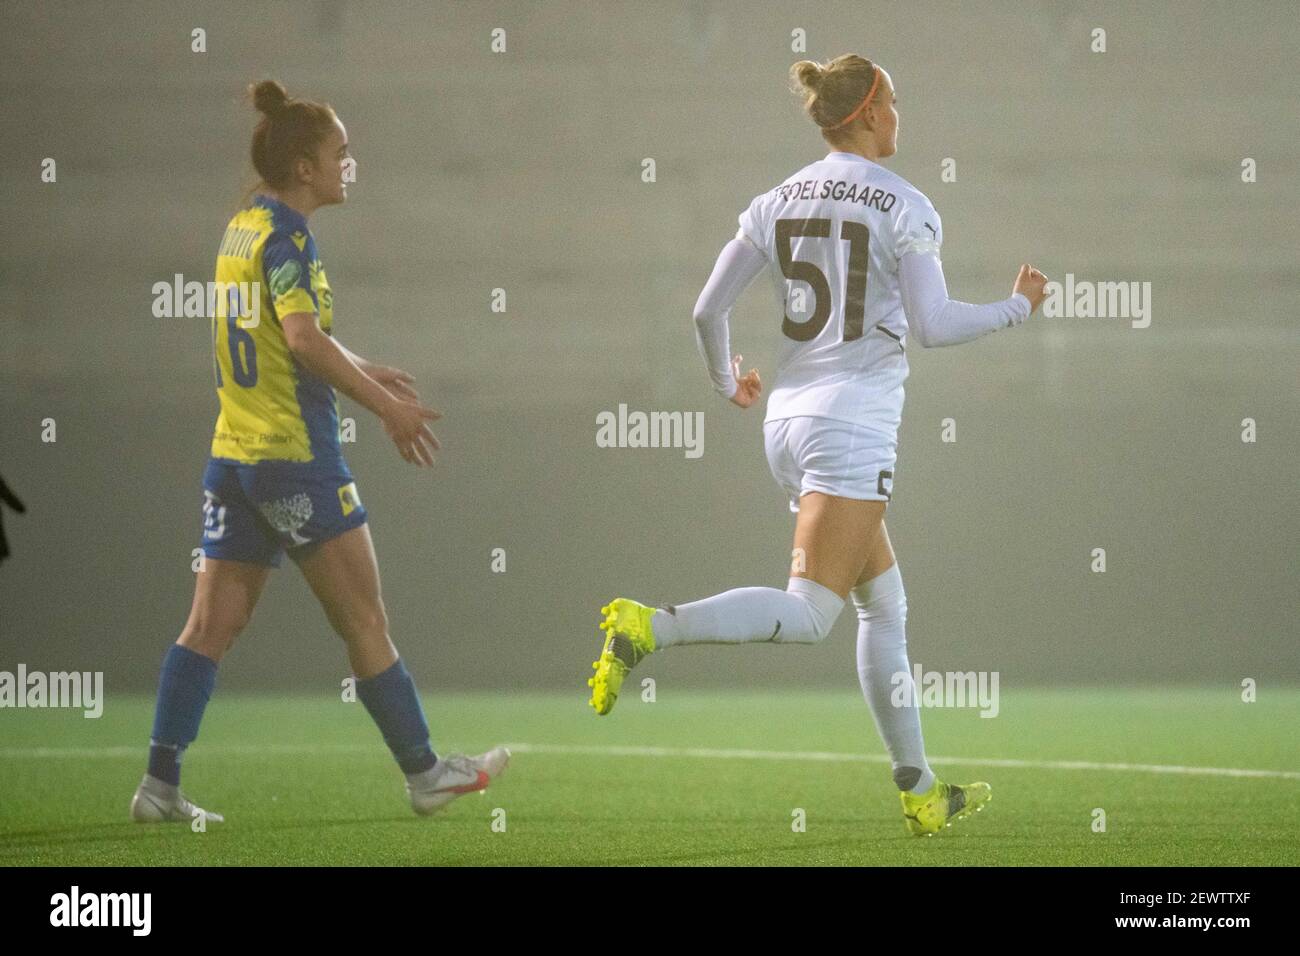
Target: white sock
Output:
[
  {"x": 882, "y": 653},
  {"x": 801, "y": 614}
]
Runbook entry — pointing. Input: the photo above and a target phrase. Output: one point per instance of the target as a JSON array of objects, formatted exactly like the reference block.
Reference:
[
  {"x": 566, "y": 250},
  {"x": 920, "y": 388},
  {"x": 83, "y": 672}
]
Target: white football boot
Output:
[
  {"x": 453, "y": 776},
  {"x": 156, "y": 801}
]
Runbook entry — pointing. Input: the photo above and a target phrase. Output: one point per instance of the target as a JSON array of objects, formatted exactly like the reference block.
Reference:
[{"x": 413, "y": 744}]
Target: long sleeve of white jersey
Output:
[
  {"x": 936, "y": 319},
  {"x": 738, "y": 264}
]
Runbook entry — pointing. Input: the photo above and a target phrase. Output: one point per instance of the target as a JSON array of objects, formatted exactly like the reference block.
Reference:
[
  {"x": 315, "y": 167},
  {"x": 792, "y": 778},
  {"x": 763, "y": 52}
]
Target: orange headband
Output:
[{"x": 861, "y": 106}]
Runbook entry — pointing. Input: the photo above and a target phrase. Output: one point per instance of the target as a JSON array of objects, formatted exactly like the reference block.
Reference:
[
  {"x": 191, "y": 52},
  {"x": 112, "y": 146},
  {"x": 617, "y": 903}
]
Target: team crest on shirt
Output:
[
  {"x": 287, "y": 515},
  {"x": 285, "y": 276},
  {"x": 299, "y": 240},
  {"x": 348, "y": 498}
]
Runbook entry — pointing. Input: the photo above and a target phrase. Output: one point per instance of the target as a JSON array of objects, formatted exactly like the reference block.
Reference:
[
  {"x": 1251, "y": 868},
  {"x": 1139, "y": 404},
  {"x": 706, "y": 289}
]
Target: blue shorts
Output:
[{"x": 255, "y": 513}]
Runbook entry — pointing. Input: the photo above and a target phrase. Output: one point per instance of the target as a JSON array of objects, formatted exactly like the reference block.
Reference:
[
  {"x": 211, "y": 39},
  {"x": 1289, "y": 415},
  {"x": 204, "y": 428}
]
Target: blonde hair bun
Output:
[{"x": 831, "y": 91}]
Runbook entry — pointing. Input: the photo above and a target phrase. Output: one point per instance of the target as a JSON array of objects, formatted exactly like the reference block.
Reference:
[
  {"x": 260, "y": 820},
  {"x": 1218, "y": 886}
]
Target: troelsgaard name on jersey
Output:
[{"x": 837, "y": 189}]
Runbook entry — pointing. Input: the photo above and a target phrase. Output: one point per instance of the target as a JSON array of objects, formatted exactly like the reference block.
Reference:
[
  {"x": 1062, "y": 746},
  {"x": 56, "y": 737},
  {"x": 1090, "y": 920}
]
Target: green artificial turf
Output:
[{"x": 308, "y": 781}]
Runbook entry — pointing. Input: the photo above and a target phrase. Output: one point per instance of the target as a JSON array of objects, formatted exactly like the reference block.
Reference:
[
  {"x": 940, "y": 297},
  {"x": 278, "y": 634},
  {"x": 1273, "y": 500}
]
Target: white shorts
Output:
[{"x": 833, "y": 457}]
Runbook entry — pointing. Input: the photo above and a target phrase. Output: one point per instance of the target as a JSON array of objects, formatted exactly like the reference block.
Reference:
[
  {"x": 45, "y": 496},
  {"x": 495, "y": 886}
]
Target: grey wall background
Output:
[{"x": 522, "y": 171}]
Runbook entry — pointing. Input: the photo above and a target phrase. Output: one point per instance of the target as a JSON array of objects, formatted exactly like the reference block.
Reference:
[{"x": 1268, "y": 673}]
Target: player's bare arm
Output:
[{"x": 406, "y": 422}]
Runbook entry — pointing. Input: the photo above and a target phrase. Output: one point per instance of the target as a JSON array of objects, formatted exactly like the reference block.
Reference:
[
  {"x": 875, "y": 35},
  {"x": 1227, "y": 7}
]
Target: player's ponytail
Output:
[
  {"x": 289, "y": 130},
  {"x": 836, "y": 92}
]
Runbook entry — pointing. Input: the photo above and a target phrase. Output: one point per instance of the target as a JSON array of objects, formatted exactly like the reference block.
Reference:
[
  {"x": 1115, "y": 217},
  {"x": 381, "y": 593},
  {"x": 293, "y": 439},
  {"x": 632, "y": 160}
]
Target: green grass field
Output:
[{"x": 308, "y": 781}]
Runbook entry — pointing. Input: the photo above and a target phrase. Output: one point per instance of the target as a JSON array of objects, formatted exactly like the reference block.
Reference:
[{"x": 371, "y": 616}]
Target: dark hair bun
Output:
[{"x": 269, "y": 97}]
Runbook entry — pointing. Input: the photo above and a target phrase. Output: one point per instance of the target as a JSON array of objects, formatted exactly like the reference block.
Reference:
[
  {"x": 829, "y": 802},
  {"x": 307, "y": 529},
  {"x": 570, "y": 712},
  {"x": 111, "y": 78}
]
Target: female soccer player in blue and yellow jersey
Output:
[
  {"x": 277, "y": 481},
  {"x": 853, "y": 252}
]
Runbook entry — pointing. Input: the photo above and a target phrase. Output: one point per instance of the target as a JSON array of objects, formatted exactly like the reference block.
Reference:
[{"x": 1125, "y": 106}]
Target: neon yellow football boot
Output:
[
  {"x": 928, "y": 813},
  {"x": 628, "y": 639}
]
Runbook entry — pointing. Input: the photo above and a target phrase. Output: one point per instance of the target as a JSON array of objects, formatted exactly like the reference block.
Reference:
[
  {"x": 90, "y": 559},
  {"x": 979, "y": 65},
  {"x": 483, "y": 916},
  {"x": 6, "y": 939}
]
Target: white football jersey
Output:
[{"x": 833, "y": 234}]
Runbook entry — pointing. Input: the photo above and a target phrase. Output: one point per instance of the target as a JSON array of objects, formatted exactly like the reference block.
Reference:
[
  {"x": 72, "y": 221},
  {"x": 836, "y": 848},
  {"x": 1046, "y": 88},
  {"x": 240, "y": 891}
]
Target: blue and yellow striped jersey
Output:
[{"x": 272, "y": 407}]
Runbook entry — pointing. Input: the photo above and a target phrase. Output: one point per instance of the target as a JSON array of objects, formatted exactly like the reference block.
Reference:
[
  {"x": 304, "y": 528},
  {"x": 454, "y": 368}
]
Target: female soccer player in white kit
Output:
[{"x": 853, "y": 251}]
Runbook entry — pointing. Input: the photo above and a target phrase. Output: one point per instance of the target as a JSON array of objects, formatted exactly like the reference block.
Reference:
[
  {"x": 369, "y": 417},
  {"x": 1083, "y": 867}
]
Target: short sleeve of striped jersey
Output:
[
  {"x": 751, "y": 225},
  {"x": 286, "y": 268},
  {"x": 917, "y": 228}
]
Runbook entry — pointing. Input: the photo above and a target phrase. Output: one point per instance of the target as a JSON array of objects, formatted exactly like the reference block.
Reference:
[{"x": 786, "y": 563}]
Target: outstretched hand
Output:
[{"x": 407, "y": 425}]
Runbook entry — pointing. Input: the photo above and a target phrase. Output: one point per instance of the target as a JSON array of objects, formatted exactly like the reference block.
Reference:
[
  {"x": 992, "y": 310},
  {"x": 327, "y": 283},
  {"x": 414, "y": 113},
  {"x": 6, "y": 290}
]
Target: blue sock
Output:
[
  {"x": 183, "y": 691},
  {"x": 393, "y": 704}
]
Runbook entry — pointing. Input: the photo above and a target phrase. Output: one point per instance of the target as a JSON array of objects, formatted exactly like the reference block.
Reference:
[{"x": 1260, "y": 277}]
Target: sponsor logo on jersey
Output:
[{"x": 285, "y": 276}]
